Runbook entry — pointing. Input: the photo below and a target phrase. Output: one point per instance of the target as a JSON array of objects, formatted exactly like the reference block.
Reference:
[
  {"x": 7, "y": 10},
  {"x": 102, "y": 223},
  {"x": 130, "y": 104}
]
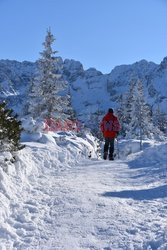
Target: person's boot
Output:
[
  {"x": 111, "y": 158},
  {"x": 105, "y": 155}
]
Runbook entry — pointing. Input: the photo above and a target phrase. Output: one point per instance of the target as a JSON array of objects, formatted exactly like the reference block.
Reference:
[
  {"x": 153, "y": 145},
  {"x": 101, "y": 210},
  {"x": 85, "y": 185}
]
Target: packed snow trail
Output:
[
  {"x": 83, "y": 217},
  {"x": 95, "y": 204}
]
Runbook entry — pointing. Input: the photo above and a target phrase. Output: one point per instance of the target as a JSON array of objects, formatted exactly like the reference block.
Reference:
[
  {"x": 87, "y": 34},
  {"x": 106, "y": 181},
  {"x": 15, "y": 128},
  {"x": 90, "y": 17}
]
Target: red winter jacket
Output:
[{"x": 110, "y": 125}]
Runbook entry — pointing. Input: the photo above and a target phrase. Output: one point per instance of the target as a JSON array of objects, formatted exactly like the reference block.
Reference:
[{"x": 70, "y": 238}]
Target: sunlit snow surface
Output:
[{"x": 54, "y": 197}]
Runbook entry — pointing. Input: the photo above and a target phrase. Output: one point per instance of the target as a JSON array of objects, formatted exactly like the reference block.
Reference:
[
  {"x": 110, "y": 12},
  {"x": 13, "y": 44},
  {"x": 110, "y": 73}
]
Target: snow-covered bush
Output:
[{"x": 10, "y": 130}]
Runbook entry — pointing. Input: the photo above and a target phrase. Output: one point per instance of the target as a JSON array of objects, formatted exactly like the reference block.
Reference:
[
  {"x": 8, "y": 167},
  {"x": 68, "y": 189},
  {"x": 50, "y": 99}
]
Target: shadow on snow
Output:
[{"x": 145, "y": 194}]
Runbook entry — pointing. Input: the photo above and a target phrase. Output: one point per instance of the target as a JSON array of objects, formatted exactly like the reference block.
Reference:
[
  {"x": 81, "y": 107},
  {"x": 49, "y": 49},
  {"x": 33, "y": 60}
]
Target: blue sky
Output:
[{"x": 99, "y": 33}]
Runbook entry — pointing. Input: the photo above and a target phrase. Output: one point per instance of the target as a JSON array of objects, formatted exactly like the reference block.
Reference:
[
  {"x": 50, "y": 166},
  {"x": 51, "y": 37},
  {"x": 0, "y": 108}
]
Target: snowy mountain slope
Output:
[
  {"x": 16, "y": 74},
  {"x": 91, "y": 90},
  {"x": 159, "y": 82},
  {"x": 54, "y": 198},
  {"x": 15, "y": 79}
]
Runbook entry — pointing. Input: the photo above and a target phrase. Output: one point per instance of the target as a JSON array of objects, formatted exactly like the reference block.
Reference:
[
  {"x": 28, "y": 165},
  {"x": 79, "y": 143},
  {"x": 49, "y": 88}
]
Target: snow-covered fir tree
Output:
[
  {"x": 124, "y": 110},
  {"x": 140, "y": 125},
  {"x": 93, "y": 122},
  {"x": 68, "y": 110},
  {"x": 135, "y": 115},
  {"x": 49, "y": 97},
  {"x": 129, "y": 100},
  {"x": 160, "y": 119},
  {"x": 121, "y": 114}
]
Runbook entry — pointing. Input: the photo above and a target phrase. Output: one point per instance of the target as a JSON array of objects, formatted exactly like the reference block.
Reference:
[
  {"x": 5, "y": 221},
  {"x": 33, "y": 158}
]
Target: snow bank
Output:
[{"x": 47, "y": 152}]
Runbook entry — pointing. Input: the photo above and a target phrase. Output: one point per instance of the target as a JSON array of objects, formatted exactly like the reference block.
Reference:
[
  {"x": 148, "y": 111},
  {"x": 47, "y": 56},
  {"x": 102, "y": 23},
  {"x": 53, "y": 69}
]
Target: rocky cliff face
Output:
[{"x": 90, "y": 89}]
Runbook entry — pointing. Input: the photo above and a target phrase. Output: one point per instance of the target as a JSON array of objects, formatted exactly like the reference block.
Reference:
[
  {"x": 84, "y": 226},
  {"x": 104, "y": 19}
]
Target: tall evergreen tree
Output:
[
  {"x": 121, "y": 114},
  {"x": 140, "y": 125},
  {"x": 124, "y": 111},
  {"x": 47, "y": 97},
  {"x": 135, "y": 114},
  {"x": 160, "y": 119},
  {"x": 129, "y": 101}
]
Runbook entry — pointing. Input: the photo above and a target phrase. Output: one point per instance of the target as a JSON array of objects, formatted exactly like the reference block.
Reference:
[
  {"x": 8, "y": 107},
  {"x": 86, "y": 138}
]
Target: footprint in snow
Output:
[
  {"x": 23, "y": 216},
  {"x": 132, "y": 231},
  {"x": 30, "y": 202},
  {"x": 31, "y": 209},
  {"x": 26, "y": 226}
]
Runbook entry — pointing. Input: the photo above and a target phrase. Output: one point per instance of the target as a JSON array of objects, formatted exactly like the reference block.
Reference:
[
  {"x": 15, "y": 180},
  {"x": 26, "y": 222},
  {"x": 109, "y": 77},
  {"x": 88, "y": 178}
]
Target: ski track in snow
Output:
[{"x": 97, "y": 205}]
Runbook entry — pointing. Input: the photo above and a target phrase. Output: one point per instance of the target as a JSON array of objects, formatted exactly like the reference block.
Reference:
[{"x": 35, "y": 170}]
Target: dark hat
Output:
[{"x": 110, "y": 110}]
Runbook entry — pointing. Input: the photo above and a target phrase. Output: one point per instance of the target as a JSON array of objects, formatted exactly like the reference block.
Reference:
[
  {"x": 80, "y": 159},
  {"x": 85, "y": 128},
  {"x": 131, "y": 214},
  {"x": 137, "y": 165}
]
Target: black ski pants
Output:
[{"x": 109, "y": 145}]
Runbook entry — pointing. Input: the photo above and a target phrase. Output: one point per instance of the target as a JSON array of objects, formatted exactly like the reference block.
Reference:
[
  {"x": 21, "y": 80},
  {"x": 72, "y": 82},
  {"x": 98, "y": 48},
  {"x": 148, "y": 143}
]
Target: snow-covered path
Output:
[
  {"x": 87, "y": 216},
  {"x": 98, "y": 205},
  {"x": 84, "y": 208}
]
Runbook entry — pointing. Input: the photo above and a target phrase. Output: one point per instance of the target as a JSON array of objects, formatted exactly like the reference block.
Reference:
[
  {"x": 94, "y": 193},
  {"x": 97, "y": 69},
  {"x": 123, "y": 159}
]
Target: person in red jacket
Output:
[{"x": 110, "y": 128}]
